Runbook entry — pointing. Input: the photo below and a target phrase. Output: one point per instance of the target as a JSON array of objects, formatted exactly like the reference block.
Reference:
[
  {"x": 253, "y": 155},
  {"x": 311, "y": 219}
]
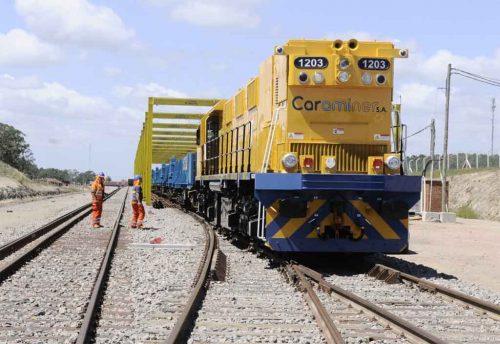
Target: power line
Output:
[
  {"x": 419, "y": 131},
  {"x": 477, "y": 75},
  {"x": 485, "y": 81}
]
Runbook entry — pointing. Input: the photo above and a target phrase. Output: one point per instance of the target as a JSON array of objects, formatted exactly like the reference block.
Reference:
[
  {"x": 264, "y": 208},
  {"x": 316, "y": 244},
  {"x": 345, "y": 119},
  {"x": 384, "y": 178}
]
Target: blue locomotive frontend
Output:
[{"x": 335, "y": 212}]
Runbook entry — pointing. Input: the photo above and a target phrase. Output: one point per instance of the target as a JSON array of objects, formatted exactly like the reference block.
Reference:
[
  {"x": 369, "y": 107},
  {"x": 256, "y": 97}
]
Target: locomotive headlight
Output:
[
  {"x": 318, "y": 78},
  {"x": 289, "y": 160},
  {"x": 366, "y": 78},
  {"x": 303, "y": 78},
  {"x": 344, "y": 63},
  {"x": 330, "y": 163},
  {"x": 393, "y": 162},
  {"x": 343, "y": 76},
  {"x": 380, "y": 79}
]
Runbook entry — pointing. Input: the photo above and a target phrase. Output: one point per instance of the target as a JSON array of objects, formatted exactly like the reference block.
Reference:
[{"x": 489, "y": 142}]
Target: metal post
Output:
[
  {"x": 444, "y": 196},
  {"x": 433, "y": 146},
  {"x": 492, "y": 124}
]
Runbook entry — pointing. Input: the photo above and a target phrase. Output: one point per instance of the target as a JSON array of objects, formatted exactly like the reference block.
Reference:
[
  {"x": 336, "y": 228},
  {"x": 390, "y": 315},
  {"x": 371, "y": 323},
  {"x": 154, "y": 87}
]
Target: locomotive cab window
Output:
[
  {"x": 212, "y": 127},
  {"x": 212, "y": 146}
]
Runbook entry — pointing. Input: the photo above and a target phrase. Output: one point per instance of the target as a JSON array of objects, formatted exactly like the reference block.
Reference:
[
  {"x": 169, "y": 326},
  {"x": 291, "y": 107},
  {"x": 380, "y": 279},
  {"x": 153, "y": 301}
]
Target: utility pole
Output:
[
  {"x": 444, "y": 195},
  {"x": 492, "y": 125},
  {"x": 433, "y": 146}
]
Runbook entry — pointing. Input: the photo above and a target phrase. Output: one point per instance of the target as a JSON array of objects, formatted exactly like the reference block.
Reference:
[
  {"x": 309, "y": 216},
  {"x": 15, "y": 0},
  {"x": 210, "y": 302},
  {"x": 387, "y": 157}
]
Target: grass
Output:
[
  {"x": 466, "y": 212},
  {"x": 11, "y": 172}
]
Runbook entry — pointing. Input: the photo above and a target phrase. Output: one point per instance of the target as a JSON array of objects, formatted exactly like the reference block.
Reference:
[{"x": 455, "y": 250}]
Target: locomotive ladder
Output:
[{"x": 261, "y": 225}]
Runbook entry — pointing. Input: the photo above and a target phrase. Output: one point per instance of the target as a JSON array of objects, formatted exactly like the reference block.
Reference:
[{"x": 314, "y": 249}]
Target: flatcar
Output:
[{"x": 306, "y": 157}]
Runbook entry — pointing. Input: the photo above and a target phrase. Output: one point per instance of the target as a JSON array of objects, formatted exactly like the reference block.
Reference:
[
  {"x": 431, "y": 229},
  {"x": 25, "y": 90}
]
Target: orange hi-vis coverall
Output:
[
  {"x": 97, "y": 191},
  {"x": 137, "y": 207}
]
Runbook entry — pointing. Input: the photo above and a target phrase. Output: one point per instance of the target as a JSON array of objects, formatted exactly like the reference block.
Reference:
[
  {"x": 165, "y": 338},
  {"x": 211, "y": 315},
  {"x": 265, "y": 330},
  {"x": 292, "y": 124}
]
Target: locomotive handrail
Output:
[{"x": 227, "y": 155}]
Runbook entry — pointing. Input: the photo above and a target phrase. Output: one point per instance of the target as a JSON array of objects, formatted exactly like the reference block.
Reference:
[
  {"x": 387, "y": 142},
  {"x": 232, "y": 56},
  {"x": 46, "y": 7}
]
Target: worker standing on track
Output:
[
  {"x": 137, "y": 207},
  {"x": 97, "y": 192}
]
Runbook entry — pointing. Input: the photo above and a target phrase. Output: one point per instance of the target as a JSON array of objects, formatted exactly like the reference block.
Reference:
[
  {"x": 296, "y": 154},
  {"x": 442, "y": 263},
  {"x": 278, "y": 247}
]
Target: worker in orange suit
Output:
[
  {"x": 97, "y": 192},
  {"x": 137, "y": 207}
]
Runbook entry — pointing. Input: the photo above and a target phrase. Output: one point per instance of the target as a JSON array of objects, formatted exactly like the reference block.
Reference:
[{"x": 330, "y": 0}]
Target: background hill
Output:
[
  {"x": 15, "y": 184},
  {"x": 476, "y": 194}
]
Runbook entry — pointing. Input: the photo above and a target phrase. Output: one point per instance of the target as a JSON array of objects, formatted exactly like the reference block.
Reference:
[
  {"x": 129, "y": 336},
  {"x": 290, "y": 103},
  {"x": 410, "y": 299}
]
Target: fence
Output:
[{"x": 417, "y": 164}]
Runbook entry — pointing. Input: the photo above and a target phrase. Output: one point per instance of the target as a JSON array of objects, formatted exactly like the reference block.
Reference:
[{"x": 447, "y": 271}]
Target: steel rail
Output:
[
  {"x": 16, "y": 244},
  {"x": 388, "y": 274},
  {"x": 86, "y": 330},
  {"x": 181, "y": 328},
  {"x": 410, "y": 330},
  {"x": 325, "y": 322},
  {"x": 17, "y": 263}
]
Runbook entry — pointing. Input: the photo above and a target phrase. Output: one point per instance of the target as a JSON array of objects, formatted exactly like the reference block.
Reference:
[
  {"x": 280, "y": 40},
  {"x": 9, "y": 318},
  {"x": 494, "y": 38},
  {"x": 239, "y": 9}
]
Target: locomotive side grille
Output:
[{"x": 350, "y": 158}]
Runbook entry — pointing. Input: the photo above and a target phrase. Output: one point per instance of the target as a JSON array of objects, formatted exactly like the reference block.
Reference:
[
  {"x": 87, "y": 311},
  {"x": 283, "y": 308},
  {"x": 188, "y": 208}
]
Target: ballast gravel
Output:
[
  {"x": 45, "y": 301},
  {"x": 447, "y": 320},
  {"x": 149, "y": 284},
  {"x": 21, "y": 218},
  {"x": 254, "y": 305},
  {"x": 441, "y": 278}
]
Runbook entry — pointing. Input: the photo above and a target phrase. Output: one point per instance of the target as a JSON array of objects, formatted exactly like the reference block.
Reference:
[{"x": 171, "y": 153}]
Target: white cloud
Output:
[
  {"x": 433, "y": 68},
  {"x": 419, "y": 80},
  {"x": 217, "y": 13},
  {"x": 138, "y": 94},
  {"x": 60, "y": 123},
  {"x": 47, "y": 99},
  {"x": 112, "y": 72},
  {"x": 20, "y": 48},
  {"x": 213, "y": 13},
  {"x": 76, "y": 22}
]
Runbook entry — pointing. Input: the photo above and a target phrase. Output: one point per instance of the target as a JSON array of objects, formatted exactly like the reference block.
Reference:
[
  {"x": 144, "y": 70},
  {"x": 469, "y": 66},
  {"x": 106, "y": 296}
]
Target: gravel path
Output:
[
  {"x": 254, "y": 305},
  {"x": 449, "y": 321},
  {"x": 21, "y": 218},
  {"x": 149, "y": 284},
  {"x": 449, "y": 281},
  {"x": 44, "y": 302}
]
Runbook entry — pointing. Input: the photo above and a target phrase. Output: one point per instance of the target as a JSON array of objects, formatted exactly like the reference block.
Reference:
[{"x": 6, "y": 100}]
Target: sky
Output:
[{"x": 75, "y": 74}]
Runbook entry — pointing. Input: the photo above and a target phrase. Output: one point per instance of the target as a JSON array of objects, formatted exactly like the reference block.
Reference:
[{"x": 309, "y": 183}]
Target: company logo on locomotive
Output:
[{"x": 341, "y": 105}]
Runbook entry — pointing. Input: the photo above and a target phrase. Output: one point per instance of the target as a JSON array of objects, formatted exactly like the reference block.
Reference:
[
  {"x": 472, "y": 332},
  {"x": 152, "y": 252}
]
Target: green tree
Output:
[
  {"x": 15, "y": 151},
  {"x": 85, "y": 177},
  {"x": 62, "y": 175}
]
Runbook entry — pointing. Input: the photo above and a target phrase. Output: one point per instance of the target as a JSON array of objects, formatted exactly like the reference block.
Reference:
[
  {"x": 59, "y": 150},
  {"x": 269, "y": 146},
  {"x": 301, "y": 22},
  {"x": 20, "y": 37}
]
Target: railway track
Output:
[
  {"x": 249, "y": 307},
  {"x": 255, "y": 304},
  {"x": 232, "y": 296},
  {"x": 19, "y": 251},
  {"x": 46, "y": 286},
  {"x": 150, "y": 285},
  {"x": 398, "y": 313},
  {"x": 67, "y": 290}
]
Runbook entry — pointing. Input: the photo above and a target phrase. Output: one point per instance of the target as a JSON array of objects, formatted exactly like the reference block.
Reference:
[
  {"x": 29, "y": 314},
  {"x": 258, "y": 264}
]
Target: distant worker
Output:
[
  {"x": 137, "y": 207},
  {"x": 97, "y": 192}
]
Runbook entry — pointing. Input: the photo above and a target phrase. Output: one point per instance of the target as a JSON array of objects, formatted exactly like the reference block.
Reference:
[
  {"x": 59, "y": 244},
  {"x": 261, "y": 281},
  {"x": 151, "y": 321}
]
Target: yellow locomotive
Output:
[{"x": 307, "y": 155}]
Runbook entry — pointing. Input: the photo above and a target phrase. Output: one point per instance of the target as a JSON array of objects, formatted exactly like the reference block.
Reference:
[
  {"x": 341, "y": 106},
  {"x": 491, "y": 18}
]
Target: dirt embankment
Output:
[
  {"x": 479, "y": 191},
  {"x": 14, "y": 185}
]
